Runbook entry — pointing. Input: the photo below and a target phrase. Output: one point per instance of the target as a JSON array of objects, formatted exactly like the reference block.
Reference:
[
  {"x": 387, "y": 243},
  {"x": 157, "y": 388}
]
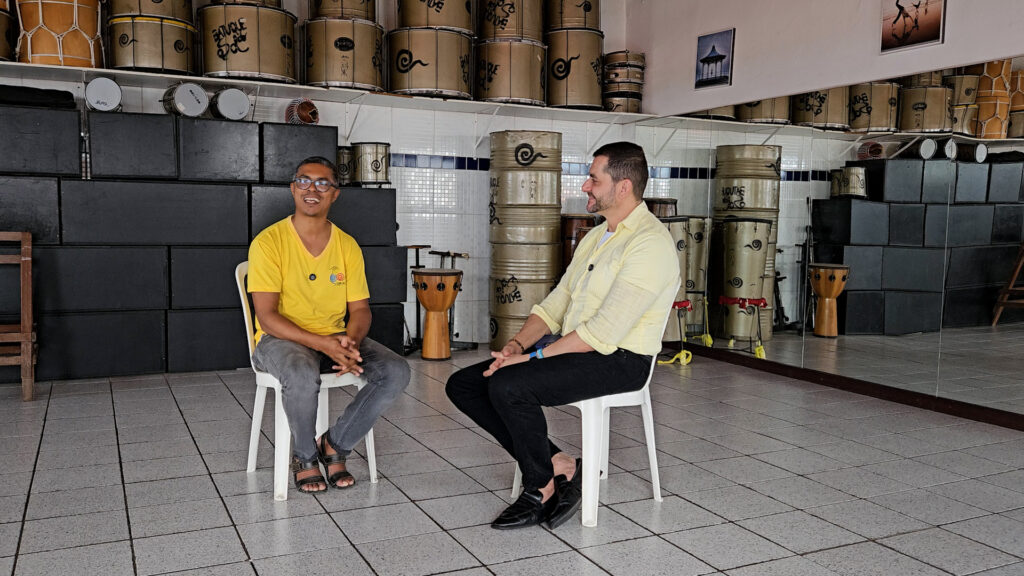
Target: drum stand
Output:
[
  {"x": 452, "y": 335},
  {"x": 416, "y": 343},
  {"x": 681, "y": 307}
]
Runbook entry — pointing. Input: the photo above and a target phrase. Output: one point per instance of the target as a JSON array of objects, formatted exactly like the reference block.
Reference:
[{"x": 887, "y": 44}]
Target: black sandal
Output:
[
  {"x": 328, "y": 459},
  {"x": 298, "y": 466}
]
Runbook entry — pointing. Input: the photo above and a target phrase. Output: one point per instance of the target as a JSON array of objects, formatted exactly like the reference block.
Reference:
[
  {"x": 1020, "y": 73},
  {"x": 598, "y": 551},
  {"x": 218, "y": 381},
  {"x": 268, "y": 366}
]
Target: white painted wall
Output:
[{"x": 791, "y": 46}]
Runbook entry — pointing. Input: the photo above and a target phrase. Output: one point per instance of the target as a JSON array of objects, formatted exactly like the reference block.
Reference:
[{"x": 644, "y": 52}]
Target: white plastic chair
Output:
[
  {"x": 282, "y": 433},
  {"x": 594, "y": 416}
]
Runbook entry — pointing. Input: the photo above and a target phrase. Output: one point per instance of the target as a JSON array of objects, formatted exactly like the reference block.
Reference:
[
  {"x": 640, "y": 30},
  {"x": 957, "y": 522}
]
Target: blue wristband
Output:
[
  {"x": 532, "y": 355},
  {"x": 540, "y": 353}
]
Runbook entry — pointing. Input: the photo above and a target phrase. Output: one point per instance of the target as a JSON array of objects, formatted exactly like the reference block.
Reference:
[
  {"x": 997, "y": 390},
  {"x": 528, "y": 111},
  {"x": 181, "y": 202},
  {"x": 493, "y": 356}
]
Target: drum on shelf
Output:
[
  {"x": 103, "y": 95},
  {"x": 623, "y": 74},
  {"x": 745, "y": 242},
  {"x": 512, "y": 19},
  {"x": 571, "y": 224},
  {"x": 661, "y": 207},
  {"x": 993, "y": 116},
  {"x": 574, "y": 68},
  {"x": 302, "y": 111},
  {"x": 452, "y": 14},
  {"x": 511, "y": 71},
  {"x": 155, "y": 44},
  {"x": 174, "y": 9},
  {"x": 823, "y": 109},
  {"x": 874, "y": 107},
  {"x": 745, "y": 193},
  {"x": 625, "y": 58},
  {"x": 436, "y": 290},
  {"x": 994, "y": 77},
  {"x": 345, "y": 53},
  {"x": 933, "y": 78},
  {"x": 924, "y": 149},
  {"x": 60, "y": 33},
  {"x": 848, "y": 181},
  {"x": 926, "y": 109},
  {"x": 965, "y": 119},
  {"x": 827, "y": 282},
  {"x": 346, "y": 165},
  {"x": 246, "y": 41},
  {"x": 8, "y": 36},
  {"x": 970, "y": 152},
  {"x": 965, "y": 88},
  {"x": 372, "y": 161},
  {"x": 718, "y": 113},
  {"x": 768, "y": 111},
  {"x": 186, "y": 99},
  {"x": 1016, "y": 91},
  {"x": 748, "y": 161},
  {"x": 620, "y": 102},
  {"x": 635, "y": 89},
  {"x": 1016, "y": 127},
  {"x": 431, "y": 62},
  {"x": 574, "y": 14},
  {"x": 267, "y": 3},
  {"x": 347, "y": 9},
  {"x": 230, "y": 104},
  {"x": 527, "y": 150}
]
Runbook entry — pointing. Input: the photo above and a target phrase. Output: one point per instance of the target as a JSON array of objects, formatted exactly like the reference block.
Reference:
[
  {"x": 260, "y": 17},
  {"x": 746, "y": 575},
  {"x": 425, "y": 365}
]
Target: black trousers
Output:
[{"x": 508, "y": 403}]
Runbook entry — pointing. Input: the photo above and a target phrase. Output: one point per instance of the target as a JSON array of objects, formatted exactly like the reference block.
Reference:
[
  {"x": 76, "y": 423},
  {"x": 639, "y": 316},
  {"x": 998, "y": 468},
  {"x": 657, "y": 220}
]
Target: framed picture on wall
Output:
[
  {"x": 714, "y": 59},
  {"x": 910, "y": 23}
]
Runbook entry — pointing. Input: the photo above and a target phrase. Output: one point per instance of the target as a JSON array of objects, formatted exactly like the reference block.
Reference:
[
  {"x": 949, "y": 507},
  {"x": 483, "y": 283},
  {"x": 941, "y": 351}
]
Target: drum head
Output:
[
  {"x": 188, "y": 99},
  {"x": 102, "y": 94},
  {"x": 232, "y": 104},
  {"x": 928, "y": 148}
]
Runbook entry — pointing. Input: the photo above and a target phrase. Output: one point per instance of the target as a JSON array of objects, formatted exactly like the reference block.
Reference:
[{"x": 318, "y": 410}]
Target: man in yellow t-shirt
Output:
[
  {"x": 610, "y": 307},
  {"x": 305, "y": 276}
]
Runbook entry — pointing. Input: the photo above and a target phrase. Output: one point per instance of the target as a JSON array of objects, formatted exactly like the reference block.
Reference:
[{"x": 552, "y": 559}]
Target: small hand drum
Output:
[
  {"x": 827, "y": 281},
  {"x": 436, "y": 289}
]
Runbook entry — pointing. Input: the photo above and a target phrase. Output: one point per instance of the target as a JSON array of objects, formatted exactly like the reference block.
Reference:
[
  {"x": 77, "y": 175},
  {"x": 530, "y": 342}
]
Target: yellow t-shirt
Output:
[{"x": 315, "y": 291}]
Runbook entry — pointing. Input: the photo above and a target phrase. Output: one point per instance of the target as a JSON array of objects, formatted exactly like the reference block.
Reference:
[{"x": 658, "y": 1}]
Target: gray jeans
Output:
[{"x": 298, "y": 369}]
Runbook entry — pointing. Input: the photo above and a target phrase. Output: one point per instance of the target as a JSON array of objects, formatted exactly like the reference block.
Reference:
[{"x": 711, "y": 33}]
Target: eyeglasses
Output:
[{"x": 321, "y": 185}]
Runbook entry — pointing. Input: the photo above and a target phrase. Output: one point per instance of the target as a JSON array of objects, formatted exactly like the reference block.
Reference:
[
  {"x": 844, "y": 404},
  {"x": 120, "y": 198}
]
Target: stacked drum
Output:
[
  {"x": 510, "y": 58},
  {"x": 248, "y": 39},
  {"x": 575, "y": 44},
  {"x": 64, "y": 33},
  {"x": 624, "y": 81},
  {"x": 526, "y": 199},
  {"x": 1016, "y": 129},
  {"x": 828, "y": 109},
  {"x": 769, "y": 111},
  {"x": 993, "y": 98},
  {"x": 964, "y": 110},
  {"x": 925, "y": 105},
  {"x": 744, "y": 234},
  {"x": 874, "y": 107},
  {"x": 431, "y": 51},
  {"x": 154, "y": 35},
  {"x": 344, "y": 45}
]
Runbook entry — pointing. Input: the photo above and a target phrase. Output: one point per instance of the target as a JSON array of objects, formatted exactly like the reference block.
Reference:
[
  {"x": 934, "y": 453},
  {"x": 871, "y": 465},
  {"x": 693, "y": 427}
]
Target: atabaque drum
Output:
[
  {"x": 926, "y": 109},
  {"x": 346, "y": 9},
  {"x": 512, "y": 19},
  {"x": 994, "y": 77},
  {"x": 372, "y": 161},
  {"x": 574, "y": 14},
  {"x": 823, "y": 109},
  {"x": 8, "y": 35},
  {"x": 874, "y": 107},
  {"x": 431, "y": 62},
  {"x": 175, "y": 9},
  {"x": 661, "y": 207},
  {"x": 679, "y": 228},
  {"x": 345, "y": 53},
  {"x": 827, "y": 282},
  {"x": 154, "y": 44},
  {"x": 571, "y": 223},
  {"x": 244, "y": 41},
  {"x": 436, "y": 289},
  {"x": 60, "y": 33},
  {"x": 452, "y": 14},
  {"x": 511, "y": 71},
  {"x": 965, "y": 88},
  {"x": 746, "y": 249},
  {"x": 574, "y": 68},
  {"x": 767, "y": 111}
]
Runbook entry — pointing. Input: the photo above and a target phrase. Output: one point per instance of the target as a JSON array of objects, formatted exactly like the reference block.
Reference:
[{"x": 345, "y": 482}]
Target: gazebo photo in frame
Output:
[{"x": 714, "y": 59}]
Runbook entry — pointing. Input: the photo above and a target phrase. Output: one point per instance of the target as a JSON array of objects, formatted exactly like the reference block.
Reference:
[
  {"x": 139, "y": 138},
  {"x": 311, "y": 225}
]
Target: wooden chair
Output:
[{"x": 18, "y": 341}]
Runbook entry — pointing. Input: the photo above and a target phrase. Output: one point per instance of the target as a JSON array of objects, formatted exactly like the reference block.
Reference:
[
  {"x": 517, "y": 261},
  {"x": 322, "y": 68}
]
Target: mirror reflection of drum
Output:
[
  {"x": 746, "y": 251},
  {"x": 436, "y": 290},
  {"x": 827, "y": 282}
]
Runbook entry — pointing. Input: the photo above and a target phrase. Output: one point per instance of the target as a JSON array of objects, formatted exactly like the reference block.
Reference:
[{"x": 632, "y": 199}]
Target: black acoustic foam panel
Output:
[
  {"x": 73, "y": 279},
  {"x": 865, "y": 263},
  {"x": 283, "y": 146},
  {"x": 1008, "y": 223},
  {"x": 132, "y": 145},
  {"x": 218, "y": 150},
  {"x": 387, "y": 273},
  {"x": 911, "y": 312},
  {"x": 971, "y": 182},
  {"x": 205, "y": 277},
  {"x": 861, "y": 312},
  {"x": 980, "y": 265},
  {"x": 1004, "y": 182},
  {"x": 958, "y": 225},
  {"x": 366, "y": 214},
  {"x": 939, "y": 180},
  {"x": 906, "y": 224},
  {"x": 895, "y": 180},
  {"x": 39, "y": 141},
  {"x": 917, "y": 269},
  {"x": 200, "y": 340},
  {"x": 974, "y": 307},
  {"x": 850, "y": 221},
  {"x": 100, "y": 344},
  {"x": 388, "y": 325},
  {"x": 30, "y": 205}
]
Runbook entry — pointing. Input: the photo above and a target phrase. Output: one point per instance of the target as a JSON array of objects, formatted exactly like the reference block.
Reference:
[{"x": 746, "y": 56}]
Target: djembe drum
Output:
[
  {"x": 827, "y": 282},
  {"x": 436, "y": 289}
]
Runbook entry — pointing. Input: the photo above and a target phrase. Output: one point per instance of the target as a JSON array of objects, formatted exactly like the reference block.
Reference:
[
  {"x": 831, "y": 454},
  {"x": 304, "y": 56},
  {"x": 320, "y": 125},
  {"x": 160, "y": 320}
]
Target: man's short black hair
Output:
[
  {"x": 626, "y": 161},
  {"x": 323, "y": 162}
]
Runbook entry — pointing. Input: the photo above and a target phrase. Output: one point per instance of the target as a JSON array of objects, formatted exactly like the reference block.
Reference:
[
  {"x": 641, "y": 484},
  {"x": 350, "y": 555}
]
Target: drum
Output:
[
  {"x": 995, "y": 77},
  {"x": 526, "y": 261},
  {"x": 968, "y": 152},
  {"x": 527, "y": 150},
  {"x": 719, "y": 113},
  {"x": 8, "y": 36},
  {"x": 153, "y": 44},
  {"x": 511, "y": 71},
  {"x": 346, "y": 9},
  {"x": 244, "y": 41},
  {"x": 768, "y": 111},
  {"x": 993, "y": 116},
  {"x": 452, "y": 14},
  {"x": 372, "y": 161},
  {"x": 926, "y": 109},
  {"x": 431, "y": 61},
  {"x": 230, "y": 104},
  {"x": 103, "y": 95},
  {"x": 571, "y": 223},
  {"x": 965, "y": 88},
  {"x": 345, "y": 53},
  {"x": 525, "y": 187},
  {"x": 186, "y": 99},
  {"x": 933, "y": 78},
  {"x": 874, "y": 107},
  {"x": 848, "y": 181},
  {"x": 625, "y": 58},
  {"x": 635, "y": 89},
  {"x": 1016, "y": 91},
  {"x": 823, "y": 109},
  {"x": 512, "y": 19},
  {"x": 745, "y": 193},
  {"x": 965, "y": 119},
  {"x": 302, "y": 111},
  {"x": 827, "y": 282},
  {"x": 268, "y": 3},
  {"x": 346, "y": 165},
  {"x": 623, "y": 74},
  {"x": 618, "y": 102},
  {"x": 679, "y": 228},
  {"x": 174, "y": 9},
  {"x": 514, "y": 298},
  {"x": 574, "y": 68},
  {"x": 1016, "y": 127},
  {"x": 574, "y": 14},
  {"x": 661, "y": 207},
  {"x": 524, "y": 225},
  {"x": 60, "y": 33},
  {"x": 748, "y": 161},
  {"x": 436, "y": 289},
  {"x": 696, "y": 255},
  {"x": 746, "y": 248}
]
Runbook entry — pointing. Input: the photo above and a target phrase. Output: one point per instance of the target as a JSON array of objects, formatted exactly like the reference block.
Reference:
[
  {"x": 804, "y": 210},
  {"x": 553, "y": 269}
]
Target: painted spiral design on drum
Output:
[
  {"x": 378, "y": 56},
  {"x": 376, "y": 165},
  {"x": 755, "y": 245},
  {"x": 526, "y": 155},
  {"x": 404, "y": 61},
  {"x": 179, "y": 46},
  {"x": 681, "y": 246},
  {"x": 736, "y": 282},
  {"x": 586, "y": 5},
  {"x": 690, "y": 284},
  {"x": 494, "y": 328},
  {"x": 124, "y": 40},
  {"x": 562, "y": 67},
  {"x": 287, "y": 41},
  {"x": 698, "y": 237}
]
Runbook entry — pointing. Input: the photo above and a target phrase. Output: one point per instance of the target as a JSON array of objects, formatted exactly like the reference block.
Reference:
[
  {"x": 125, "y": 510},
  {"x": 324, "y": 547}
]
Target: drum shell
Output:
[
  {"x": 1016, "y": 128},
  {"x": 1016, "y": 91},
  {"x": 696, "y": 255},
  {"x": 526, "y": 261},
  {"x": 746, "y": 248},
  {"x": 346, "y": 165},
  {"x": 526, "y": 150},
  {"x": 767, "y": 111},
  {"x": 965, "y": 88},
  {"x": 195, "y": 95},
  {"x": 723, "y": 216},
  {"x": 431, "y": 62},
  {"x": 828, "y": 280},
  {"x": 525, "y": 188},
  {"x": 346, "y": 9},
  {"x": 8, "y": 36},
  {"x": 571, "y": 224},
  {"x": 371, "y": 161},
  {"x": 874, "y": 107},
  {"x": 574, "y": 68},
  {"x": 511, "y": 71},
  {"x": 623, "y": 74},
  {"x": 971, "y": 152},
  {"x": 746, "y": 193},
  {"x": 926, "y": 109},
  {"x": 848, "y": 181},
  {"x": 503, "y": 329},
  {"x": 718, "y": 113},
  {"x": 993, "y": 116},
  {"x": 933, "y": 78},
  {"x": 965, "y": 119},
  {"x": 146, "y": 43},
  {"x": 269, "y": 42},
  {"x": 525, "y": 21},
  {"x": 77, "y": 26},
  {"x": 679, "y": 228},
  {"x": 994, "y": 77},
  {"x": 635, "y": 89},
  {"x": 695, "y": 318},
  {"x": 428, "y": 283},
  {"x": 748, "y": 161},
  {"x": 626, "y": 103},
  {"x": 511, "y": 297},
  {"x": 625, "y": 58},
  {"x": 173, "y": 9},
  {"x": 662, "y": 207},
  {"x": 452, "y": 14},
  {"x": 738, "y": 323},
  {"x": 823, "y": 109},
  {"x": 574, "y": 14},
  {"x": 266, "y": 3},
  {"x": 525, "y": 225},
  {"x": 345, "y": 53}
]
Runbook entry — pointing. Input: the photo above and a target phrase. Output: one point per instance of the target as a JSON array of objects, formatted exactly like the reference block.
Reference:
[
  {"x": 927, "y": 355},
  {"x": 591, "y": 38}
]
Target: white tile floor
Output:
[{"x": 762, "y": 476}]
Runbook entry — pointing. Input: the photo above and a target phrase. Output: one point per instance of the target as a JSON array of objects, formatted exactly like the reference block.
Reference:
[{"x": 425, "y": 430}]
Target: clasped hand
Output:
[
  {"x": 345, "y": 352},
  {"x": 508, "y": 356}
]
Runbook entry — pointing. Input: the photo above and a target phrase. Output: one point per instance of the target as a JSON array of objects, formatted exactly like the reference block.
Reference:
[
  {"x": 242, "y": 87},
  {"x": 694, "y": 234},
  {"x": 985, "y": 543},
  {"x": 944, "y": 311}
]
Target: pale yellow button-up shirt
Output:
[{"x": 616, "y": 295}]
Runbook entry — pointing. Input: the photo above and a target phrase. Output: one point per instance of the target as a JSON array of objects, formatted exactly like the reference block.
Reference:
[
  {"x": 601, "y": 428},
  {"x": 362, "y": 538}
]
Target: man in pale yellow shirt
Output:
[{"x": 610, "y": 308}]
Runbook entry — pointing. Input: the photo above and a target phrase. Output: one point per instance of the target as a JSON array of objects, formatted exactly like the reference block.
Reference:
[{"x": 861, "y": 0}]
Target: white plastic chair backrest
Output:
[
  {"x": 668, "y": 314},
  {"x": 241, "y": 271}
]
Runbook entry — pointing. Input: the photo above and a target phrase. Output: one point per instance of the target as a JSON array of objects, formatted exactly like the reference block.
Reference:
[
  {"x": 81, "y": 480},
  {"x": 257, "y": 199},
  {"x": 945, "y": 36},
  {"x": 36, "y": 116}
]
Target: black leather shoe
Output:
[
  {"x": 527, "y": 510},
  {"x": 569, "y": 494}
]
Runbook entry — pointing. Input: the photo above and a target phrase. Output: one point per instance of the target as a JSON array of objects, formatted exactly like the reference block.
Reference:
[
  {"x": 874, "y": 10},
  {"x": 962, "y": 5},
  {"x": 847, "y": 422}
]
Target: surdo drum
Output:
[
  {"x": 848, "y": 181},
  {"x": 874, "y": 107},
  {"x": 926, "y": 109},
  {"x": 827, "y": 282},
  {"x": 346, "y": 165},
  {"x": 512, "y": 19},
  {"x": 60, "y": 33},
  {"x": 823, "y": 109},
  {"x": 176, "y": 9},
  {"x": 574, "y": 68},
  {"x": 431, "y": 62},
  {"x": 453, "y": 14},
  {"x": 574, "y": 14},
  {"x": 768, "y": 111},
  {"x": 147, "y": 43},
  {"x": 746, "y": 250},
  {"x": 243, "y": 41},
  {"x": 436, "y": 289},
  {"x": 623, "y": 102},
  {"x": 347, "y": 9},
  {"x": 345, "y": 53},
  {"x": 965, "y": 119},
  {"x": 230, "y": 104},
  {"x": 511, "y": 71},
  {"x": 965, "y": 88}
]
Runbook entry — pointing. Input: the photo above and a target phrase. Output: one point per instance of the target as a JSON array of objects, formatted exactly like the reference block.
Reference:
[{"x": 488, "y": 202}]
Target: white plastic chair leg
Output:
[
  {"x": 592, "y": 436},
  {"x": 517, "y": 482},
  {"x": 605, "y": 441},
  {"x": 282, "y": 448},
  {"x": 321, "y": 412},
  {"x": 652, "y": 453},
  {"x": 371, "y": 457},
  {"x": 257, "y": 423}
]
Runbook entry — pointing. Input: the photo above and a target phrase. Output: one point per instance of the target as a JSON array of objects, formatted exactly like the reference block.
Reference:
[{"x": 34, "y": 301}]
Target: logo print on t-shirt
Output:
[{"x": 336, "y": 277}]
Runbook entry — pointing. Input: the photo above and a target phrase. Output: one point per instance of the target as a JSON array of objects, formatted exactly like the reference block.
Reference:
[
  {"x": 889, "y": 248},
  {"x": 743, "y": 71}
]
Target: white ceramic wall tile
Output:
[
  {"x": 454, "y": 134},
  {"x": 416, "y": 228},
  {"x": 519, "y": 123},
  {"x": 414, "y": 189},
  {"x": 445, "y": 193},
  {"x": 574, "y": 140},
  {"x": 412, "y": 131},
  {"x": 366, "y": 124}
]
